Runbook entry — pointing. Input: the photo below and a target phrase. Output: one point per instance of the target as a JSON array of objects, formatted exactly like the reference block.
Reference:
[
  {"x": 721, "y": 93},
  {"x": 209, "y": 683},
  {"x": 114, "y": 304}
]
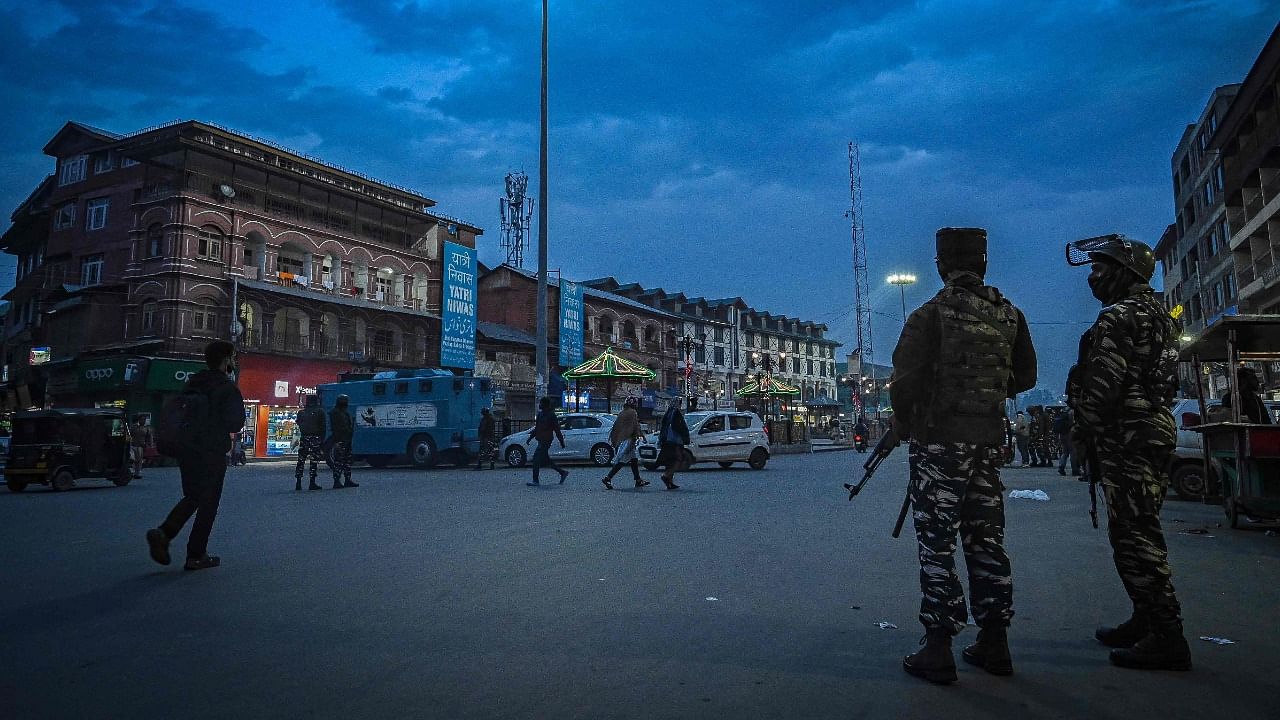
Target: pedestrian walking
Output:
[
  {"x": 215, "y": 411},
  {"x": 1120, "y": 390},
  {"x": 488, "y": 432},
  {"x": 311, "y": 427},
  {"x": 546, "y": 427},
  {"x": 960, "y": 355},
  {"x": 624, "y": 436},
  {"x": 1022, "y": 433},
  {"x": 139, "y": 440},
  {"x": 1062, "y": 428},
  {"x": 1036, "y": 430},
  {"x": 673, "y": 435},
  {"x": 342, "y": 425}
]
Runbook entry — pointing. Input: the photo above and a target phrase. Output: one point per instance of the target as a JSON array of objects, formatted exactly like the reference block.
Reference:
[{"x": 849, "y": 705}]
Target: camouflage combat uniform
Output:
[
  {"x": 960, "y": 355},
  {"x": 1120, "y": 391}
]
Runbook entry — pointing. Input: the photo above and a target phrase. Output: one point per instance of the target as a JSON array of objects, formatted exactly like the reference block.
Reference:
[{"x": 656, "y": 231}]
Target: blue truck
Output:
[{"x": 427, "y": 416}]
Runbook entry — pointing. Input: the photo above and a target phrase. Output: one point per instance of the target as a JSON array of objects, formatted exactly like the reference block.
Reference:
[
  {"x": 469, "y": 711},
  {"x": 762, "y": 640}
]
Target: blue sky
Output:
[{"x": 697, "y": 146}]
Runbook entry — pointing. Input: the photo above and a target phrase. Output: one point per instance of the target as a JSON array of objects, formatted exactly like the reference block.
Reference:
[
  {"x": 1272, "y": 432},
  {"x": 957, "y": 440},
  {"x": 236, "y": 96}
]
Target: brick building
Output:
[{"x": 140, "y": 249}]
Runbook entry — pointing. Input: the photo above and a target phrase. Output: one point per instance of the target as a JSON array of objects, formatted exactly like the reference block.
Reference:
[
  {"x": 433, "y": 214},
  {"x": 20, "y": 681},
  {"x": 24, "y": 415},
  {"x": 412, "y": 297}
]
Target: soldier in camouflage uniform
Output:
[
  {"x": 1120, "y": 390},
  {"x": 342, "y": 425},
  {"x": 960, "y": 355}
]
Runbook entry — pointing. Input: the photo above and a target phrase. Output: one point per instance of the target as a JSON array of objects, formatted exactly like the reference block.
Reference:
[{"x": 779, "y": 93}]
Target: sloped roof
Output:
[{"x": 590, "y": 291}]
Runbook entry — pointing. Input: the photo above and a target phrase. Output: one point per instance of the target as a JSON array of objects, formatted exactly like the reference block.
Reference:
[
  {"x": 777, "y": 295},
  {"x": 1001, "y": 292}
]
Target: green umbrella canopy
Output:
[
  {"x": 769, "y": 386},
  {"x": 607, "y": 365}
]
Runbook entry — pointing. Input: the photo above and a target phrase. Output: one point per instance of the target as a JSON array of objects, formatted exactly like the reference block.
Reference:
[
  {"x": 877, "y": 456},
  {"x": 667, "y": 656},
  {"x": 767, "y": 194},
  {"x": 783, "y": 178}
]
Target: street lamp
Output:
[
  {"x": 902, "y": 280},
  {"x": 688, "y": 343}
]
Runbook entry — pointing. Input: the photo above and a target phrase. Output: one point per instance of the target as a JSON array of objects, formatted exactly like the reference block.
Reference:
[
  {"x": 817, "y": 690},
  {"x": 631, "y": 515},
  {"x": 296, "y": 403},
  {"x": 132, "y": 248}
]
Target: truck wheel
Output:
[
  {"x": 422, "y": 452},
  {"x": 516, "y": 456},
  {"x": 758, "y": 459},
  {"x": 63, "y": 480},
  {"x": 602, "y": 454},
  {"x": 1188, "y": 482},
  {"x": 15, "y": 484}
]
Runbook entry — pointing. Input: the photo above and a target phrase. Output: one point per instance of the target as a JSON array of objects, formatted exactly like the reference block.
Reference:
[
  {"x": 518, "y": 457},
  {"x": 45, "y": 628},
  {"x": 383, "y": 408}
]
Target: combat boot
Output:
[
  {"x": 991, "y": 652},
  {"x": 934, "y": 662},
  {"x": 1162, "y": 649},
  {"x": 1125, "y": 635}
]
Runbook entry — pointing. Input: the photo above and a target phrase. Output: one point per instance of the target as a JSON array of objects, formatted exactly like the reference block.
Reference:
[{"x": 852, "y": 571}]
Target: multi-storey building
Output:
[
  {"x": 140, "y": 249},
  {"x": 738, "y": 338},
  {"x": 1249, "y": 140}
]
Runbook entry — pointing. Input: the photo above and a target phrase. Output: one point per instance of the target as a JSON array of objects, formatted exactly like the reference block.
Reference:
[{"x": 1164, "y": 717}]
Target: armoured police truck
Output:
[{"x": 427, "y": 416}]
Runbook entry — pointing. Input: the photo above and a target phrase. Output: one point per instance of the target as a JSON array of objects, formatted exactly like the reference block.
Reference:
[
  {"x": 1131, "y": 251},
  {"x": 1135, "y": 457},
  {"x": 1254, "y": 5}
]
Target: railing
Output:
[{"x": 331, "y": 347}]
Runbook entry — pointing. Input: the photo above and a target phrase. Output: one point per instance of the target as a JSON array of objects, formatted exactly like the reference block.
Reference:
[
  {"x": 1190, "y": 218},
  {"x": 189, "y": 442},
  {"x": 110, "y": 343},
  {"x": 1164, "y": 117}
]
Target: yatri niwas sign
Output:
[
  {"x": 570, "y": 323},
  {"x": 458, "y": 323}
]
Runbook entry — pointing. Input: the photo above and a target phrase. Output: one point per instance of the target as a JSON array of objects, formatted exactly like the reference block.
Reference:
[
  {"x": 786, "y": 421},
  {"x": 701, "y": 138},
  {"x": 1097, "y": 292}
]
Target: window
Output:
[
  {"x": 65, "y": 218},
  {"x": 380, "y": 389},
  {"x": 210, "y": 245},
  {"x": 91, "y": 269},
  {"x": 95, "y": 213},
  {"x": 739, "y": 422},
  {"x": 719, "y": 356},
  {"x": 105, "y": 162},
  {"x": 248, "y": 257},
  {"x": 206, "y": 316},
  {"x": 714, "y": 424},
  {"x": 72, "y": 169},
  {"x": 810, "y": 367},
  {"x": 155, "y": 241},
  {"x": 148, "y": 316},
  {"x": 424, "y": 386},
  {"x": 1229, "y": 287},
  {"x": 402, "y": 388},
  {"x": 700, "y": 355},
  {"x": 127, "y": 162},
  {"x": 796, "y": 364},
  {"x": 751, "y": 339}
]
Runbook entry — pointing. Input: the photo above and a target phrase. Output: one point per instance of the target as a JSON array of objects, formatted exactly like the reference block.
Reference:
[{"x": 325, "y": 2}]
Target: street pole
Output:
[{"x": 541, "y": 363}]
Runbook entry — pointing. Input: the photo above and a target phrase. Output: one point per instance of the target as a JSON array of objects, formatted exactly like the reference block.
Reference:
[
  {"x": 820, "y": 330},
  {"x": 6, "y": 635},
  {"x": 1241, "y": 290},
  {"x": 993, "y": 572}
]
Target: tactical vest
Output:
[{"x": 973, "y": 369}]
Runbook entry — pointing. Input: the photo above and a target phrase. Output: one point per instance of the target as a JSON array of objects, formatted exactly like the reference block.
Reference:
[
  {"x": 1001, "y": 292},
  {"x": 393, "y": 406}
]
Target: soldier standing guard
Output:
[
  {"x": 342, "y": 428},
  {"x": 1120, "y": 390},
  {"x": 960, "y": 355}
]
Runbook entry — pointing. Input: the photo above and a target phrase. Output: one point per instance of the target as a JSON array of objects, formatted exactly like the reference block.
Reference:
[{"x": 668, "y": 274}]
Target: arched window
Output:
[
  {"x": 211, "y": 240},
  {"x": 628, "y": 330},
  {"x": 154, "y": 244},
  {"x": 606, "y": 326}
]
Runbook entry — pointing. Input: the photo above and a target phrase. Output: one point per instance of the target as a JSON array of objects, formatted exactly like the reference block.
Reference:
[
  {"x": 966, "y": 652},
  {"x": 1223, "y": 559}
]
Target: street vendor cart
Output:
[{"x": 1245, "y": 457}]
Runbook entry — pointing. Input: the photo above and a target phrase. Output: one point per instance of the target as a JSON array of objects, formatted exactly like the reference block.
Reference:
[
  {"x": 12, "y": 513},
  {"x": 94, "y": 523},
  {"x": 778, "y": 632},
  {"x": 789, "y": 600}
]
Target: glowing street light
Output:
[{"x": 902, "y": 280}]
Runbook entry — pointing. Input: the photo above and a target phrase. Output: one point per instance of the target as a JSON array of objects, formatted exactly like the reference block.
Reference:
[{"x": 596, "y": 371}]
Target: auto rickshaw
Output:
[
  {"x": 1245, "y": 457},
  {"x": 59, "y": 447}
]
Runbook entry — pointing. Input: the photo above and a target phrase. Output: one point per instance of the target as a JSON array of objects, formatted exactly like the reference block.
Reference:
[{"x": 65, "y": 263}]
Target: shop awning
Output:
[{"x": 608, "y": 365}]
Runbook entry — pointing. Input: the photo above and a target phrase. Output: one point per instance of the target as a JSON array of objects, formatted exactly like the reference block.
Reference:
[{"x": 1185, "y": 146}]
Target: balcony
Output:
[
  {"x": 334, "y": 348},
  {"x": 301, "y": 286}
]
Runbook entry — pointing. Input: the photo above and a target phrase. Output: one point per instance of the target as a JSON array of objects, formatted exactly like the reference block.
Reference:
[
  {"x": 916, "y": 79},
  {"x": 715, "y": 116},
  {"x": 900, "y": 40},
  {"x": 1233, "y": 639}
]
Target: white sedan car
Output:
[
  {"x": 586, "y": 437},
  {"x": 722, "y": 437}
]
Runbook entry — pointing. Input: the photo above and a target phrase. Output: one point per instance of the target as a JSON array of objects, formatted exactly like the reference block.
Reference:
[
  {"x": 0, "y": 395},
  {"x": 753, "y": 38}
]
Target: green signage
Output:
[
  {"x": 171, "y": 375},
  {"x": 102, "y": 374}
]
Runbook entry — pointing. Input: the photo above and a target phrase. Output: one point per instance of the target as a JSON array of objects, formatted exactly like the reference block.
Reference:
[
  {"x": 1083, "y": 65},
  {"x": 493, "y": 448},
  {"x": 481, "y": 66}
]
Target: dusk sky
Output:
[{"x": 696, "y": 146}]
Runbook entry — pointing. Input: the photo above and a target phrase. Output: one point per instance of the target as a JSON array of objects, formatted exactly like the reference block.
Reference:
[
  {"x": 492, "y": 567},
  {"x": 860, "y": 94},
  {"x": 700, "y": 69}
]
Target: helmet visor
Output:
[{"x": 1081, "y": 252}]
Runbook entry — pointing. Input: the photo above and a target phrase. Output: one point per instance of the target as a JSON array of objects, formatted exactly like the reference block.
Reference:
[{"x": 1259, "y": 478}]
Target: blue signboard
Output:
[
  {"x": 458, "y": 323},
  {"x": 571, "y": 313}
]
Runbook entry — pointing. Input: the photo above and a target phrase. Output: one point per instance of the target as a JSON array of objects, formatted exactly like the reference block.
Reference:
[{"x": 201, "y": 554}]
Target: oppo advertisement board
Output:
[
  {"x": 458, "y": 323},
  {"x": 571, "y": 312}
]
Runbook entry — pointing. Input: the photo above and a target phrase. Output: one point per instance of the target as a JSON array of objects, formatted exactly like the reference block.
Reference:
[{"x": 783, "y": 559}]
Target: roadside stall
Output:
[
  {"x": 610, "y": 368},
  {"x": 766, "y": 388},
  {"x": 1243, "y": 456}
]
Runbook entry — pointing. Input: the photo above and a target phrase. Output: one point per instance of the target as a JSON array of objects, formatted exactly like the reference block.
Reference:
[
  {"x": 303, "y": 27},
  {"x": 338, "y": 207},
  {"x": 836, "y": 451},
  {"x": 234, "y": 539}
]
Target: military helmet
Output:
[
  {"x": 1132, "y": 254},
  {"x": 961, "y": 242},
  {"x": 342, "y": 400}
]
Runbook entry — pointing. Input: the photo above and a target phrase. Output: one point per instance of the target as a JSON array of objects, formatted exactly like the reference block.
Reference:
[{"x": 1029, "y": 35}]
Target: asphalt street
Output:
[{"x": 458, "y": 594}]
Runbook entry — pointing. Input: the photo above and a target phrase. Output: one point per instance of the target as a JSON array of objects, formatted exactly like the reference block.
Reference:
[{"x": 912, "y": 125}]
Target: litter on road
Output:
[
  {"x": 1196, "y": 531},
  {"x": 886, "y": 626},
  {"x": 1217, "y": 640},
  {"x": 713, "y": 599},
  {"x": 1029, "y": 495}
]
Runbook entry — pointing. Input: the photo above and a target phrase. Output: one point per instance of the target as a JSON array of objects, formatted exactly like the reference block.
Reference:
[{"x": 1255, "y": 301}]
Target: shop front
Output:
[
  {"x": 274, "y": 388},
  {"x": 139, "y": 385}
]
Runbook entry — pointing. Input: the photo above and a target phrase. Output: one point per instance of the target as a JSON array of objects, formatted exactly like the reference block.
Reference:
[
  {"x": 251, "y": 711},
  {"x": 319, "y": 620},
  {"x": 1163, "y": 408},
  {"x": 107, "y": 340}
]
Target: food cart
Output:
[{"x": 1245, "y": 457}]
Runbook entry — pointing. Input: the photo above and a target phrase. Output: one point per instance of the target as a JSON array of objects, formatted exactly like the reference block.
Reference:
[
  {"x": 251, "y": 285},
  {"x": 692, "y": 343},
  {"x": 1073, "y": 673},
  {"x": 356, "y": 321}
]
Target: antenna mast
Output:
[
  {"x": 516, "y": 211},
  {"x": 861, "y": 291}
]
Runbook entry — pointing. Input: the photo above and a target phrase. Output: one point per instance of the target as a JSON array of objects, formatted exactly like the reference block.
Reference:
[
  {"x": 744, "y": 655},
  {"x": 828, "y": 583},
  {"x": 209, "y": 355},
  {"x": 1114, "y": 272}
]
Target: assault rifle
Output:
[{"x": 887, "y": 443}]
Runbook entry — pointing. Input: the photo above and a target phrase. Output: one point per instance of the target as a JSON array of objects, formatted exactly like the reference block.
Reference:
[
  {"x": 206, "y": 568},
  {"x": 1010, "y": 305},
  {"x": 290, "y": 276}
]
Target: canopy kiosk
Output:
[
  {"x": 768, "y": 387},
  {"x": 607, "y": 366},
  {"x": 1245, "y": 457}
]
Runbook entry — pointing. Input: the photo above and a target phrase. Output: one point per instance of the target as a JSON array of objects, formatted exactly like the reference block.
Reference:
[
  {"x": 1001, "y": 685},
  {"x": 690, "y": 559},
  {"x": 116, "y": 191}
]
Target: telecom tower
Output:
[
  {"x": 861, "y": 291},
  {"x": 516, "y": 211}
]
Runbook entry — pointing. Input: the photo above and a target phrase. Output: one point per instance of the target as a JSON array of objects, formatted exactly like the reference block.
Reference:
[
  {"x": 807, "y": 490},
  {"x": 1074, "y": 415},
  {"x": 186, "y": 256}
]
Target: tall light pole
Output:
[
  {"x": 902, "y": 280},
  {"x": 541, "y": 364}
]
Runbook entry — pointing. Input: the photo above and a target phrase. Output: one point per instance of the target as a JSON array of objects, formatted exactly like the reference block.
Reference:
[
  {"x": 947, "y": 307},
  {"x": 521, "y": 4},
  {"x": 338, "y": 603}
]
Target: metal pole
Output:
[
  {"x": 541, "y": 361},
  {"x": 902, "y": 292}
]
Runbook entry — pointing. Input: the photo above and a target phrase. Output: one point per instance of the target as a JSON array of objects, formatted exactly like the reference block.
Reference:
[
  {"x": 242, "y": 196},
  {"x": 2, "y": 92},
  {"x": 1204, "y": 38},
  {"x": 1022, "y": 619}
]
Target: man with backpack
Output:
[
  {"x": 195, "y": 427},
  {"x": 311, "y": 427}
]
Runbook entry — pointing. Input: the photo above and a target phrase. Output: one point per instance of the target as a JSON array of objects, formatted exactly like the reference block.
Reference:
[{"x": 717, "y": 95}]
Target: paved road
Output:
[{"x": 463, "y": 594}]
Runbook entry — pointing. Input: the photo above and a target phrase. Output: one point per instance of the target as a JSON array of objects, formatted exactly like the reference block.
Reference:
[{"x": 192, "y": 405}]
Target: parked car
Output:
[
  {"x": 1186, "y": 474},
  {"x": 720, "y": 437},
  {"x": 59, "y": 447},
  {"x": 586, "y": 437}
]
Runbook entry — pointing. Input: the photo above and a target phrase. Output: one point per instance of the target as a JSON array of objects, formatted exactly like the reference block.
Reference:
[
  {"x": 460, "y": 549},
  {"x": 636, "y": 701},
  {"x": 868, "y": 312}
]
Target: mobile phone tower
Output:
[{"x": 517, "y": 212}]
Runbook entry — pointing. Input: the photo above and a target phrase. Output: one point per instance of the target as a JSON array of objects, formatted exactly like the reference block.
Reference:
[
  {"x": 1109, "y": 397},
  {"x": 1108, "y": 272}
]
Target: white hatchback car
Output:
[
  {"x": 586, "y": 437},
  {"x": 721, "y": 437}
]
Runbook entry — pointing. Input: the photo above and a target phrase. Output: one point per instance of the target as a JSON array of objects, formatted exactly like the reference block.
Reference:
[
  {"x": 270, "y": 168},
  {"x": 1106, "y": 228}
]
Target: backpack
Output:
[{"x": 183, "y": 424}]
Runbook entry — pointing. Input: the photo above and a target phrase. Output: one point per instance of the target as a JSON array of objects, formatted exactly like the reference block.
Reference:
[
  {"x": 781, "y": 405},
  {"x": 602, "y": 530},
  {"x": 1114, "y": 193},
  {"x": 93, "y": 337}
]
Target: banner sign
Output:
[
  {"x": 571, "y": 312},
  {"x": 458, "y": 323},
  {"x": 100, "y": 374}
]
